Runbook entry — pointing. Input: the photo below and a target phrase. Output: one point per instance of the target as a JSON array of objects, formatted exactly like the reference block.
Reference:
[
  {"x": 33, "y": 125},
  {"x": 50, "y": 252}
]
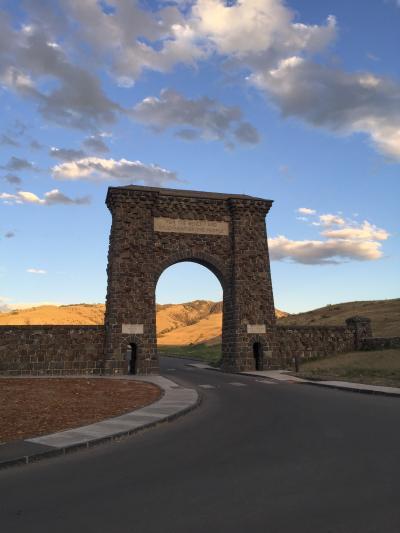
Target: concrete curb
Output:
[
  {"x": 176, "y": 401},
  {"x": 356, "y": 387},
  {"x": 280, "y": 376}
]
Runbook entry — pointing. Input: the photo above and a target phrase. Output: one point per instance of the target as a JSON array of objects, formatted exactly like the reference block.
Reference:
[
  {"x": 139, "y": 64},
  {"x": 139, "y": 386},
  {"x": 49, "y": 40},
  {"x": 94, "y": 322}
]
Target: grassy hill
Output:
[
  {"x": 79, "y": 314},
  {"x": 200, "y": 321},
  {"x": 384, "y": 314}
]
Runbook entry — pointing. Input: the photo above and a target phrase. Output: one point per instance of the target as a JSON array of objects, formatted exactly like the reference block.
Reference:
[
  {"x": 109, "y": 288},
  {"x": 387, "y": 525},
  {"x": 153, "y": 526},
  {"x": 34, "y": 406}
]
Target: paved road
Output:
[{"x": 254, "y": 457}]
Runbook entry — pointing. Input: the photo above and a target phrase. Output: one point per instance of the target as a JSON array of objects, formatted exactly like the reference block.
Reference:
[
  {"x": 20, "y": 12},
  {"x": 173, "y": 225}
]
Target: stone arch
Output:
[
  {"x": 204, "y": 259},
  {"x": 154, "y": 228}
]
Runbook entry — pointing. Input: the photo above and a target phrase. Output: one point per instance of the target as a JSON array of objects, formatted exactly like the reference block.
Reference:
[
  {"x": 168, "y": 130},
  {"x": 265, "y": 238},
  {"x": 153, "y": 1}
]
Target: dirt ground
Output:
[{"x": 30, "y": 407}]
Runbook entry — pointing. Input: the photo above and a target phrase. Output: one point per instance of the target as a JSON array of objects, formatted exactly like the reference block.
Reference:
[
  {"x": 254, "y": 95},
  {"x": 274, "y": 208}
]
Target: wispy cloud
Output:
[
  {"x": 96, "y": 168},
  {"x": 262, "y": 37},
  {"x": 205, "y": 117},
  {"x": 12, "y": 179},
  {"x": 36, "y": 271},
  {"x": 96, "y": 143},
  {"x": 66, "y": 154},
  {"x": 306, "y": 211},
  {"x": 18, "y": 163},
  {"x": 6, "y": 140},
  {"x": 342, "y": 240},
  {"x": 53, "y": 197}
]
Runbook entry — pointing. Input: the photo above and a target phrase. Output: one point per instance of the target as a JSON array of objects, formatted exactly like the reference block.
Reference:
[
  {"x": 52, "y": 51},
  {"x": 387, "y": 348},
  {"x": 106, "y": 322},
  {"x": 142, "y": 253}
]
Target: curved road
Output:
[{"x": 254, "y": 457}]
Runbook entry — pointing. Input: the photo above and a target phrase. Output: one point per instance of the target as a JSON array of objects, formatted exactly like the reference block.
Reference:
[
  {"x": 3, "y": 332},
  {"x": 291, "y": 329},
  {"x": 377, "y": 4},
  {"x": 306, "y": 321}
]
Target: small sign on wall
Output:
[
  {"x": 256, "y": 328},
  {"x": 132, "y": 329}
]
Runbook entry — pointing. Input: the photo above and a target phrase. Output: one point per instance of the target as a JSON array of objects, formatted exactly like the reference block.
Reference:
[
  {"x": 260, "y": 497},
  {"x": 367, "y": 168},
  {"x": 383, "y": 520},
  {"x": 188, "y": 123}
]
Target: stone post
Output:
[{"x": 361, "y": 327}]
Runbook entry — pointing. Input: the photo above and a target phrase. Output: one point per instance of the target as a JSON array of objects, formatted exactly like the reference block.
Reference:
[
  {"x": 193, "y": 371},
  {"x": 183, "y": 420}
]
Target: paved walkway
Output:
[
  {"x": 284, "y": 377},
  {"x": 175, "y": 401}
]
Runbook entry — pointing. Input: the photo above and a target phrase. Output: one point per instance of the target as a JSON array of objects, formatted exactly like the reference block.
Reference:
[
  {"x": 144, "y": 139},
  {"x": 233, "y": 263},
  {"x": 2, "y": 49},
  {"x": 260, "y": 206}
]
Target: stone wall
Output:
[
  {"x": 154, "y": 228},
  {"x": 380, "y": 343},
  {"x": 53, "y": 350},
  {"x": 309, "y": 342}
]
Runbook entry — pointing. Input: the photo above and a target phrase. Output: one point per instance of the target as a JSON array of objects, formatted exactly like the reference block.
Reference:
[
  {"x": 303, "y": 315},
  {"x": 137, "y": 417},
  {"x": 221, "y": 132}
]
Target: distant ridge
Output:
[
  {"x": 384, "y": 314},
  {"x": 200, "y": 321}
]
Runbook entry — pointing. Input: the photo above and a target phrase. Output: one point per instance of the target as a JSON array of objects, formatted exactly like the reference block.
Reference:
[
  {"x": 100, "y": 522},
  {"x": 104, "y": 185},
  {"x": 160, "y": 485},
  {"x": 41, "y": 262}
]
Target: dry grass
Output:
[
  {"x": 381, "y": 367},
  {"x": 79, "y": 314},
  {"x": 183, "y": 324},
  {"x": 384, "y": 314},
  {"x": 37, "y": 406}
]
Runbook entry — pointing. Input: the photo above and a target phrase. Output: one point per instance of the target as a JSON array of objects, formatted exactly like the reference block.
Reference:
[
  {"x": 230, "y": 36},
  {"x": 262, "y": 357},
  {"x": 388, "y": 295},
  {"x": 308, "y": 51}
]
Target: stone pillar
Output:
[
  {"x": 130, "y": 306},
  {"x": 252, "y": 317},
  {"x": 361, "y": 327}
]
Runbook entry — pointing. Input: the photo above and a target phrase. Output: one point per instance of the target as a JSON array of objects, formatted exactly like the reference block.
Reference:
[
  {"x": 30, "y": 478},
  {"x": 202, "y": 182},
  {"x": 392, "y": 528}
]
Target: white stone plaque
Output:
[
  {"x": 132, "y": 329},
  {"x": 256, "y": 328},
  {"x": 185, "y": 225}
]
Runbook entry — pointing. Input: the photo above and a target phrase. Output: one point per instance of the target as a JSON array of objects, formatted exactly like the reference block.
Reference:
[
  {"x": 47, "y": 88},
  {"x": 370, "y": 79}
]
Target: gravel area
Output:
[{"x": 30, "y": 407}]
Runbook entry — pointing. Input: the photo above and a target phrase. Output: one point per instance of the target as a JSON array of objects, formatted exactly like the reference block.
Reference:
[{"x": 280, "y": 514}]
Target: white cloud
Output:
[
  {"x": 365, "y": 231},
  {"x": 342, "y": 102},
  {"x": 306, "y": 211},
  {"x": 52, "y": 197},
  {"x": 96, "y": 168},
  {"x": 318, "y": 252},
  {"x": 347, "y": 241},
  {"x": 260, "y": 37},
  {"x": 253, "y": 27},
  {"x": 36, "y": 271},
  {"x": 331, "y": 220}
]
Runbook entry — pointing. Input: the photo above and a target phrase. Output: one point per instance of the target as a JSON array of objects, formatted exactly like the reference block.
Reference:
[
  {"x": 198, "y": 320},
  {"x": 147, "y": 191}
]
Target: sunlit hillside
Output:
[
  {"x": 81, "y": 314},
  {"x": 194, "y": 322},
  {"x": 200, "y": 321},
  {"x": 384, "y": 314}
]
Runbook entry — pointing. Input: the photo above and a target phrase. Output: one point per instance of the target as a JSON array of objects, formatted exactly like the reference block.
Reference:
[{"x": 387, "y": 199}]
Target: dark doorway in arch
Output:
[
  {"x": 258, "y": 355},
  {"x": 133, "y": 358}
]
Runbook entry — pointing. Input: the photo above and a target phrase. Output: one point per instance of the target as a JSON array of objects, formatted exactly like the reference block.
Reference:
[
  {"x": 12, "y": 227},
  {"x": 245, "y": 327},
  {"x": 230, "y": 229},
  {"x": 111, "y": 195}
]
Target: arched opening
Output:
[
  {"x": 132, "y": 361},
  {"x": 189, "y": 312},
  {"x": 258, "y": 355}
]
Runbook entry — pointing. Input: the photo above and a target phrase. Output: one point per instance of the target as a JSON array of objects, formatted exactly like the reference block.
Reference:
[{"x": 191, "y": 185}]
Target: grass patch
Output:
[
  {"x": 202, "y": 352},
  {"x": 380, "y": 367}
]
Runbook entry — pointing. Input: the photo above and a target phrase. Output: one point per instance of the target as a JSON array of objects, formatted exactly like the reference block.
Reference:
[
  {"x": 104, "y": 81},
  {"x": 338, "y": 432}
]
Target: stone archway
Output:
[{"x": 154, "y": 228}]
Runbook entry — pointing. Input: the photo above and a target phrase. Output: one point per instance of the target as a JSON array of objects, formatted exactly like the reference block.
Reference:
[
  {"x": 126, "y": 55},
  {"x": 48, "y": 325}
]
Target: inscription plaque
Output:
[
  {"x": 256, "y": 328},
  {"x": 132, "y": 329},
  {"x": 185, "y": 225}
]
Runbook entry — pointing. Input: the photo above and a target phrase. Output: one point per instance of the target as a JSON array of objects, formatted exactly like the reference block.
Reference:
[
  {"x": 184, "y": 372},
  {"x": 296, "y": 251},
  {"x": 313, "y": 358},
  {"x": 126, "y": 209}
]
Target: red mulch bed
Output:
[{"x": 30, "y": 407}]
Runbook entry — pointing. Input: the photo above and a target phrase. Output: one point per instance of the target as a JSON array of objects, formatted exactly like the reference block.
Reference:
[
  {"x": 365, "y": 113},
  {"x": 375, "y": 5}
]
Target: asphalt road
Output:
[{"x": 255, "y": 457}]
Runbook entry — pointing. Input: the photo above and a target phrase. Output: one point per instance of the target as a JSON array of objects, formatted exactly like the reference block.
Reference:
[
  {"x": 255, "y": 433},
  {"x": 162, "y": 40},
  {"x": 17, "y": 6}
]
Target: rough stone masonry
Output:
[{"x": 152, "y": 229}]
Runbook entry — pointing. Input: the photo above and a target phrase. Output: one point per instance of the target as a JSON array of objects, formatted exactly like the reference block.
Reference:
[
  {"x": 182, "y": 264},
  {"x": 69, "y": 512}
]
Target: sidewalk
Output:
[
  {"x": 175, "y": 401},
  {"x": 283, "y": 377}
]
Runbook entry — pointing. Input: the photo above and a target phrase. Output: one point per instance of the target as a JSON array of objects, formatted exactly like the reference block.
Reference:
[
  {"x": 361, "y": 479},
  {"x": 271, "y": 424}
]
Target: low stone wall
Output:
[
  {"x": 52, "y": 350},
  {"x": 311, "y": 342},
  {"x": 380, "y": 343}
]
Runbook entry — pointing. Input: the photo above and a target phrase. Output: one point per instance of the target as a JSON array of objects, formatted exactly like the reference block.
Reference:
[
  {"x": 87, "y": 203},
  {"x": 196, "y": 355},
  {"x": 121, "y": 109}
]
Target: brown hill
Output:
[
  {"x": 384, "y": 314},
  {"x": 81, "y": 314},
  {"x": 200, "y": 321},
  {"x": 194, "y": 322}
]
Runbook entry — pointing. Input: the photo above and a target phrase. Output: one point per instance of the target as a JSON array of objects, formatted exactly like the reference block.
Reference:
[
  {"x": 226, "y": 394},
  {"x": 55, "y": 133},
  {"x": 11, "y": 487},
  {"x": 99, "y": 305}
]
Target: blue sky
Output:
[{"x": 295, "y": 101}]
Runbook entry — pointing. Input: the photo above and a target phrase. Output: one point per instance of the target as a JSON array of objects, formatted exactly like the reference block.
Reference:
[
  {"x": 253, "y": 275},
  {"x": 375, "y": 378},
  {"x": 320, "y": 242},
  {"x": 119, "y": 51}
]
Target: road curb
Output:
[
  {"x": 175, "y": 402},
  {"x": 282, "y": 377},
  {"x": 353, "y": 387}
]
